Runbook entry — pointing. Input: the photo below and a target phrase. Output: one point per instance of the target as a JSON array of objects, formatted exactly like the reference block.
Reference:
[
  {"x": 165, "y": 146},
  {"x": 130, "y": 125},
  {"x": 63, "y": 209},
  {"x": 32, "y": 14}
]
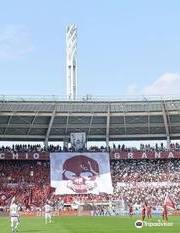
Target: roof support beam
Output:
[
  {"x": 99, "y": 114},
  {"x": 124, "y": 118},
  {"x": 84, "y": 125},
  {"x": 90, "y": 124},
  {"x": 67, "y": 122},
  {"x": 9, "y": 120},
  {"x": 166, "y": 124},
  {"x": 90, "y": 137},
  {"x": 107, "y": 127},
  {"x": 32, "y": 123},
  {"x": 49, "y": 128}
]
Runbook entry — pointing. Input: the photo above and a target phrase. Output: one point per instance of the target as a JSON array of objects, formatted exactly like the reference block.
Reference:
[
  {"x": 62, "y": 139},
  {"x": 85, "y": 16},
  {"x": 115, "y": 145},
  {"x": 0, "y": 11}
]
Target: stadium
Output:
[
  {"x": 86, "y": 164},
  {"x": 138, "y": 174}
]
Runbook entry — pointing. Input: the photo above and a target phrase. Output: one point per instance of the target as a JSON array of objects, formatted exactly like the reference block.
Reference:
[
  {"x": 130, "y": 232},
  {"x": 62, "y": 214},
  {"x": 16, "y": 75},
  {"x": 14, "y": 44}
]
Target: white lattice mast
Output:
[{"x": 71, "y": 61}]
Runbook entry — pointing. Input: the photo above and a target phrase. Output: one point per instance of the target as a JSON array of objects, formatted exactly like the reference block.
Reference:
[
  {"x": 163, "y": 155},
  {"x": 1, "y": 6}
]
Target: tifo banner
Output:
[
  {"x": 24, "y": 156},
  {"x": 118, "y": 155},
  {"x": 75, "y": 173},
  {"x": 78, "y": 140},
  {"x": 145, "y": 155}
]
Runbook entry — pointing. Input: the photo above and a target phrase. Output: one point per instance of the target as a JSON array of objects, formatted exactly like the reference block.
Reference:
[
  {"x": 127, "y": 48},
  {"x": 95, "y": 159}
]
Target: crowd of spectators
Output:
[
  {"x": 145, "y": 170},
  {"x": 17, "y": 148},
  {"x": 27, "y": 180},
  {"x": 133, "y": 180},
  {"x": 147, "y": 147},
  {"x": 138, "y": 180},
  {"x": 57, "y": 148},
  {"x": 151, "y": 194}
]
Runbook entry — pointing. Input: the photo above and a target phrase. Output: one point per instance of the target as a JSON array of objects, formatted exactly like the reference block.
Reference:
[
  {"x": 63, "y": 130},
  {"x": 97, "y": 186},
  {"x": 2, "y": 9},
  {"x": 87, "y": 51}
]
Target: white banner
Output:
[
  {"x": 81, "y": 173},
  {"x": 78, "y": 140},
  {"x": 146, "y": 184}
]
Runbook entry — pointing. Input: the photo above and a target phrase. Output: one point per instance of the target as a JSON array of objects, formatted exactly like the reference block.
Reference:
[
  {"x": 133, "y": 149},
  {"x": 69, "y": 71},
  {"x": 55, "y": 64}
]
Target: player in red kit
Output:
[
  {"x": 143, "y": 211},
  {"x": 130, "y": 211},
  {"x": 149, "y": 211},
  {"x": 165, "y": 213}
]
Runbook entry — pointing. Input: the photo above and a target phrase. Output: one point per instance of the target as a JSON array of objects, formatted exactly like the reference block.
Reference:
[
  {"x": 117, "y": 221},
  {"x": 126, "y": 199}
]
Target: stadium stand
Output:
[{"x": 133, "y": 180}]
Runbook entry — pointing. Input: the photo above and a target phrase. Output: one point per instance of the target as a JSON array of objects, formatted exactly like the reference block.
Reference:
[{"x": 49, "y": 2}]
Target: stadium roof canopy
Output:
[{"x": 43, "y": 120}]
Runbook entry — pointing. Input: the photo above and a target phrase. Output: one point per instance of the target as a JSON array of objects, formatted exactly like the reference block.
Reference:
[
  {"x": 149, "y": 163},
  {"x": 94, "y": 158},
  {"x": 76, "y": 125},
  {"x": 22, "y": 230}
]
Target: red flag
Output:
[{"x": 168, "y": 202}]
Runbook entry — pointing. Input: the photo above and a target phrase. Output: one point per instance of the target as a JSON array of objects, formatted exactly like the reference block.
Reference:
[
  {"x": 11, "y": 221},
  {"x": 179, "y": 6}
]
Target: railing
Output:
[{"x": 25, "y": 98}]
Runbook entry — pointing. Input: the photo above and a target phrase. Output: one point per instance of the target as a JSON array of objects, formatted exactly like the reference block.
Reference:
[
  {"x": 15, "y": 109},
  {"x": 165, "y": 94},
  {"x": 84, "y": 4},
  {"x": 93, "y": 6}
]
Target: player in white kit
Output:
[
  {"x": 14, "y": 216},
  {"x": 48, "y": 213}
]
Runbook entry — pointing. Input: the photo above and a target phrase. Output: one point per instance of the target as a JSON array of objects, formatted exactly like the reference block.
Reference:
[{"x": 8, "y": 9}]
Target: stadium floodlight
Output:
[{"x": 71, "y": 61}]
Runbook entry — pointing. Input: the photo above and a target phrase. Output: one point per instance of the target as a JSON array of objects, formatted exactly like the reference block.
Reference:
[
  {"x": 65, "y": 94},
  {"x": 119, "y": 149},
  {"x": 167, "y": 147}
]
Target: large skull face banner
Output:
[
  {"x": 81, "y": 173},
  {"x": 74, "y": 173}
]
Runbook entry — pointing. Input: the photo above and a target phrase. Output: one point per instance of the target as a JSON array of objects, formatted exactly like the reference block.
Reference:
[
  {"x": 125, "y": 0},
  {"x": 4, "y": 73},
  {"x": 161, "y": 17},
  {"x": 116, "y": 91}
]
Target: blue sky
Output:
[{"x": 124, "y": 47}]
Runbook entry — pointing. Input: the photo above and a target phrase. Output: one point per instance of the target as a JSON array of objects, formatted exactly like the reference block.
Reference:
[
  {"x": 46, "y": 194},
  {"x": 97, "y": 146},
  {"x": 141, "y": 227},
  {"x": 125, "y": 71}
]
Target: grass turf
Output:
[{"x": 87, "y": 225}]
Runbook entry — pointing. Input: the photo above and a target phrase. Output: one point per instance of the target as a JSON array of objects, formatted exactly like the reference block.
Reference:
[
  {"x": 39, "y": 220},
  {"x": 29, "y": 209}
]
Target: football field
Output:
[{"x": 88, "y": 225}]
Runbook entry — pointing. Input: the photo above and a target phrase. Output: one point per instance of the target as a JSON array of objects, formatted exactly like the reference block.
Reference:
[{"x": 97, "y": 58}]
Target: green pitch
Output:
[{"x": 87, "y": 225}]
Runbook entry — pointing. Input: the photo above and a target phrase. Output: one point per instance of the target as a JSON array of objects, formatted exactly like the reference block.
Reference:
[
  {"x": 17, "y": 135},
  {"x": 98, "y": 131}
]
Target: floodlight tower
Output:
[{"x": 71, "y": 61}]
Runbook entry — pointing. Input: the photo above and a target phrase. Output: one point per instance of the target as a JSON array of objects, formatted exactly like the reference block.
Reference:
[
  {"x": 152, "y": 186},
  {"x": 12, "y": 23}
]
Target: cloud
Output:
[
  {"x": 15, "y": 41},
  {"x": 166, "y": 84}
]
